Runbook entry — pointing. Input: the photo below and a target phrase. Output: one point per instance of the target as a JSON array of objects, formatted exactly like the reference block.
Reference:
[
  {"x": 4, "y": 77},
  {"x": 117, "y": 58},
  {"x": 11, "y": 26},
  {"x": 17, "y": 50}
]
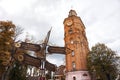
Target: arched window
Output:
[
  {"x": 71, "y": 40},
  {"x": 70, "y": 31},
  {"x": 73, "y": 65},
  {"x": 73, "y": 53},
  {"x": 74, "y": 78}
]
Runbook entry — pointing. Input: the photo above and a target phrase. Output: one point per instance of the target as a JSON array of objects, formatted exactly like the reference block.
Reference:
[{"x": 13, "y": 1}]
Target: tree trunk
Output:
[
  {"x": 108, "y": 76},
  {"x": 6, "y": 73}
]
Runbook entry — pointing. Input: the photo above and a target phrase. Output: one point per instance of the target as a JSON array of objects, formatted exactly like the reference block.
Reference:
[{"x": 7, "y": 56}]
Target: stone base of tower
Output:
[{"x": 78, "y": 75}]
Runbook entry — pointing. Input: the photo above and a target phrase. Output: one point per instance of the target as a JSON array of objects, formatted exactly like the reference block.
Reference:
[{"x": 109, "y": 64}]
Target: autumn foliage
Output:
[{"x": 6, "y": 40}]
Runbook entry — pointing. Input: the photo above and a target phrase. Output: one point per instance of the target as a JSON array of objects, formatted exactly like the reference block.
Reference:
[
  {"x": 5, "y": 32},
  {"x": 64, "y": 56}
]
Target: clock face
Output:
[{"x": 69, "y": 22}]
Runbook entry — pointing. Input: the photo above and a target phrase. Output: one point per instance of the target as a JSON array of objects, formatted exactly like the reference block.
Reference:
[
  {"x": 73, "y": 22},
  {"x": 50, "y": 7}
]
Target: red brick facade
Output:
[{"x": 76, "y": 46}]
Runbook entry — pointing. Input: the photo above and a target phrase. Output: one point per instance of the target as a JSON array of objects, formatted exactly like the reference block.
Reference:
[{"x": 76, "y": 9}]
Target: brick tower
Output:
[{"x": 76, "y": 48}]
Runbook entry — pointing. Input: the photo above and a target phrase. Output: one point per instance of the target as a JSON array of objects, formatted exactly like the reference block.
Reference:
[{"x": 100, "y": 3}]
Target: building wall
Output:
[
  {"x": 79, "y": 75},
  {"x": 75, "y": 41}
]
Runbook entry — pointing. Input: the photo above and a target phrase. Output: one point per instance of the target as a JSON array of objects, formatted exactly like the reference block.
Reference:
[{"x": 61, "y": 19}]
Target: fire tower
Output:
[{"x": 76, "y": 48}]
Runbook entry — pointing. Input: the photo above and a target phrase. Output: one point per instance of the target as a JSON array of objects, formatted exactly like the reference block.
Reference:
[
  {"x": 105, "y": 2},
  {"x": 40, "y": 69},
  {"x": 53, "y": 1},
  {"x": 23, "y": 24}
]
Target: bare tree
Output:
[{"x": 18, "y": 31}]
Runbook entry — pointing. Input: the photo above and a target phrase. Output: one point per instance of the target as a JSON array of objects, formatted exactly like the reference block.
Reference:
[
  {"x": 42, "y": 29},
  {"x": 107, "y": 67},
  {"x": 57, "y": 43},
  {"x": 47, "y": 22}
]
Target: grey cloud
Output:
[{"x": 57, "y": 59}]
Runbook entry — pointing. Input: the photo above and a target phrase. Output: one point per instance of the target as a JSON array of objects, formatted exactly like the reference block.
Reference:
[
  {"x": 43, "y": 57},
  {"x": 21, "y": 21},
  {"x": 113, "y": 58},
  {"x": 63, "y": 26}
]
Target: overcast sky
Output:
[{"x": 100, "y": 17}]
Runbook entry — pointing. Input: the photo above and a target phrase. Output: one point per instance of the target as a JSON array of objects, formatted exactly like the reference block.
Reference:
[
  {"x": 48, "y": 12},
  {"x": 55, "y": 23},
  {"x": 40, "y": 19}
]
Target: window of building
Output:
[
  {"x": 73, "y": 53},
  {"x": 74, "y": 78},
  {"x": 71, "y": 41},
  {"x": 84, "y": 74},
  {"x": 1, "y": 30},
  {"x": 73, "y": 65},
  {"x": 70, "y": 31}
]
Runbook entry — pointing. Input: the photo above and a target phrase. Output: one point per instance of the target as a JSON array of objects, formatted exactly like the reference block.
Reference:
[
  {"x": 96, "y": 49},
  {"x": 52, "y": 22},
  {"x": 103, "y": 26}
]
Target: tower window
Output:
[
  {"x": 73, "y": 65},
  {"x": 74, "y": 78},
  {"x": 70, "y": 31},
  {"x": 84, "y": 74},
  {"x": 71, "y": 42},
  {"x": 73, "y": 53}
]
